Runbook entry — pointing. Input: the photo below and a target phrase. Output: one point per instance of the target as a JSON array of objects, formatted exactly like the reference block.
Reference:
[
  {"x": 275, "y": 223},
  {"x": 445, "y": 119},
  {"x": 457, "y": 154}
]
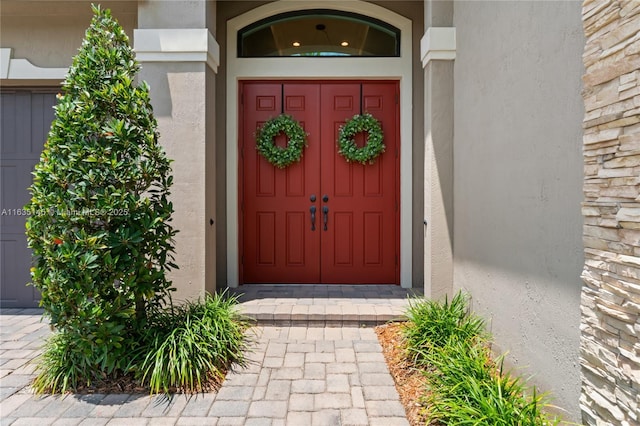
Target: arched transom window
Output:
[{"x": 318, "y": 32}]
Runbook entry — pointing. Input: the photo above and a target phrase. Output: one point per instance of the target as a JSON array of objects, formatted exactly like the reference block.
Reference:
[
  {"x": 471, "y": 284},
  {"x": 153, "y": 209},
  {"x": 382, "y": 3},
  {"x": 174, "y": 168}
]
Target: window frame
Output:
[{"x": 329, "y": 13}]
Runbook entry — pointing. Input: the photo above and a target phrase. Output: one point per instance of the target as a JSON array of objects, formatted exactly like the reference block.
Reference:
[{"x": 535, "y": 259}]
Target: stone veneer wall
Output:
[{"x": 610, "y": 326}]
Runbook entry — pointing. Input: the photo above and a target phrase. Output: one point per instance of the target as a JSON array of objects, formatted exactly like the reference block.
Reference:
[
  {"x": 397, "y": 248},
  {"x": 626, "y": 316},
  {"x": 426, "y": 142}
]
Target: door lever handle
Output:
[
  {"x": 325, "y": 216},
  {"x": 313, "y": 217}
]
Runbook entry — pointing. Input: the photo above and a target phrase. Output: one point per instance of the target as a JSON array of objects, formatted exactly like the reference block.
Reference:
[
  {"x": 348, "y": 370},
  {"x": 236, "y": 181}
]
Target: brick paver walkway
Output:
[{"x": 299, "y": 375}]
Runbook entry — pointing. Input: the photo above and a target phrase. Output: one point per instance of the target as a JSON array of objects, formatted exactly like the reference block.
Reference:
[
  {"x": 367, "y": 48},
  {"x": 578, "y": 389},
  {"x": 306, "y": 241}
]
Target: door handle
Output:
[
  {"x": 325, "y": 216},
  {"x": 313, "y": 217}
]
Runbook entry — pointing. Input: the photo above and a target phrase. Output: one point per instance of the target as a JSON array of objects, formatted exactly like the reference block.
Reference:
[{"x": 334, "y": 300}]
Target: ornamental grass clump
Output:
[
  {"x": 190, "y": 347},
  {"x": 433, "y": 324},
  {"x": 468, "y": 387},
  {"x": 99, "y": 224},
  {"x": 465, "y": 385}
]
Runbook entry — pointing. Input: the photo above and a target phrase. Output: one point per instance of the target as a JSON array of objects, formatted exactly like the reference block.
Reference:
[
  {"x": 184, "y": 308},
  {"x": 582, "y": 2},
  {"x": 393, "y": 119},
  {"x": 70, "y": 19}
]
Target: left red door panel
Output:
[{"x": 279, "y": 245}]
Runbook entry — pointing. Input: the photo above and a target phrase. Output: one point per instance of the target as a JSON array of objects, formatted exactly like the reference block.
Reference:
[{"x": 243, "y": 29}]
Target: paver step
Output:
[
  {"x": 323, "y": 305},
  {"x": 323, "y": 315}
]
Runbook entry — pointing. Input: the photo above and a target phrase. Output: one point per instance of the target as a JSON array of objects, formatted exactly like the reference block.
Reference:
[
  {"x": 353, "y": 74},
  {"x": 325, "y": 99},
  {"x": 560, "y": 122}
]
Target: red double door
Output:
[{"x": 323, "y": 220}]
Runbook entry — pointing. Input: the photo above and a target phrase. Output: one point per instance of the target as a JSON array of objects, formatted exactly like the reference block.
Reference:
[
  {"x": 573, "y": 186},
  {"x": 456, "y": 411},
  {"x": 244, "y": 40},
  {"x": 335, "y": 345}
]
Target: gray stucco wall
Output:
[
  {"x": 517, "y": 182},
  {"x": 172, "y": 14},
  {"x": 49, "y": 33}
]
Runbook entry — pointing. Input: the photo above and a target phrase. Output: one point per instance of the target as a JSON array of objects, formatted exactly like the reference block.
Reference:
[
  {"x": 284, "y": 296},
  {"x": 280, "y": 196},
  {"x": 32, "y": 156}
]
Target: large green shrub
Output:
[{"x": 100, "y": 215}]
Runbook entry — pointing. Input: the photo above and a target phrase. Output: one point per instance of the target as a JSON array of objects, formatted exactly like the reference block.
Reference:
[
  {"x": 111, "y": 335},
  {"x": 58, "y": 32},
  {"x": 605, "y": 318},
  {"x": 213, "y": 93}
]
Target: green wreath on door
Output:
[
  {"x": 374, "y": 145},
  {"x": 281, "y": 157}
]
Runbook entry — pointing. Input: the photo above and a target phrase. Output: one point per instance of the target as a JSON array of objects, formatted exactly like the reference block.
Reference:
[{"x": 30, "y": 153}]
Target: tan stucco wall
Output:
[
  {"x": 438, "y": 160},
  {"x": 438, "y": 179},
  {"x": 179, "y": 100},
  {"x": 183, "y": 97},
  {"x": 211, "y": 218},
  {"x": 49, "y": 33},
  {"x": 172, "y": 14},
  {"x": 517, "y": 182}
]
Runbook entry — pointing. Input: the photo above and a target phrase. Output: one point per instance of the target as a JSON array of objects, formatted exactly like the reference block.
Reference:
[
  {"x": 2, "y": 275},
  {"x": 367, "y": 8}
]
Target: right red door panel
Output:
[
  {"x": 355, "y": 238},
  {"x": 360, "y": 243}
]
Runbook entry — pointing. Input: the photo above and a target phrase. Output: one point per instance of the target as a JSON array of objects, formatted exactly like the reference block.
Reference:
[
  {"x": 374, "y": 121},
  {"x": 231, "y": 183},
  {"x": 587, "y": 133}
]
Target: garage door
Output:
[{"x": 26, "y": 119}]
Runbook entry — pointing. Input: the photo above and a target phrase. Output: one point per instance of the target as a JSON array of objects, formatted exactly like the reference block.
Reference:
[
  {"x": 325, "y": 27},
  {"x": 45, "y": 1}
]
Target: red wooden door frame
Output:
[{"x": 340, "y": 101}]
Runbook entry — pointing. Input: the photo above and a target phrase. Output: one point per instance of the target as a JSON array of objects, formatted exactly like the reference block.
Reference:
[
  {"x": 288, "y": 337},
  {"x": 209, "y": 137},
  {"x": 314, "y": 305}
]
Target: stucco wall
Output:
[
  {"x": 49, "y": 33},
  {"x": 179, "y": 100},
  {"x": 517, "y": 182},
  {"x": 172, "y": 14},
  {"x": 438, "y": 153},
  {"x": 211, "y": 218},
  {"x": 183, "y": 97}
]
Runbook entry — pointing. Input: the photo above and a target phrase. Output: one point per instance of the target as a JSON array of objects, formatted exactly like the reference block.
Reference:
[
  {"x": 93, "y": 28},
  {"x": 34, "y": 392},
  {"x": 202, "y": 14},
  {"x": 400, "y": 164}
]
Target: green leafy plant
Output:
[
  {"x": 374, "y": 146},
  {"x": 60, "y": 367},
  {"x": 99, "y": 224},
  {"x": 192, "y": 344},
  {"x": 434, "y": 324},
  {"x": 296, "y": 141},
  {"x": 466, "y": 386}
]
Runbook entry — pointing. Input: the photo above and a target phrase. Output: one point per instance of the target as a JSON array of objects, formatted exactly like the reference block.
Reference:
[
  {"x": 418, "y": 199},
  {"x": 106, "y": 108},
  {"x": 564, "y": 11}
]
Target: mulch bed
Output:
[{"x": 410, "y": 382}]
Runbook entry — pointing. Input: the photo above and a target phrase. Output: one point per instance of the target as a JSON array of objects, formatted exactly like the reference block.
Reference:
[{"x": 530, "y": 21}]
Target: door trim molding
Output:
[{"x": 283, "y": 68}]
